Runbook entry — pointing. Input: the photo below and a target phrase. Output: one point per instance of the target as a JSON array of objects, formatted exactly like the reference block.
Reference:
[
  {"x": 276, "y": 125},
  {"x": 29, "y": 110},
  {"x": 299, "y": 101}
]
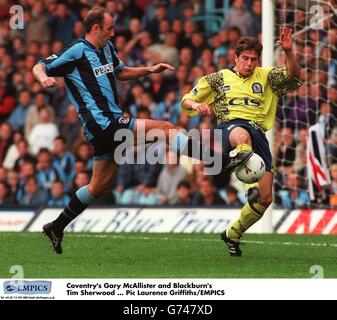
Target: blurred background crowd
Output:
[{"x": 44, "y": 157}]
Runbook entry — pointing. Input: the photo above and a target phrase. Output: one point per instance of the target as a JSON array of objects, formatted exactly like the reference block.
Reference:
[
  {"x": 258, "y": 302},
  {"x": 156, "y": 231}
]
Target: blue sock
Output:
[
  {"x": 84, "y": 195},
  {"x": 179, "y": 143},
  {"x": 78, "y": 203}
]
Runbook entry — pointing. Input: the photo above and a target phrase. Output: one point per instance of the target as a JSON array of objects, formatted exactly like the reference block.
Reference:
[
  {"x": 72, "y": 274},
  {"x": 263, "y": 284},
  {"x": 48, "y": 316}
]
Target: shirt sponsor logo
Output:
[
  {"x": 257, "y": 87},
  {"x": 104, "y": 69},
  {"x": 245, "y": 101}
]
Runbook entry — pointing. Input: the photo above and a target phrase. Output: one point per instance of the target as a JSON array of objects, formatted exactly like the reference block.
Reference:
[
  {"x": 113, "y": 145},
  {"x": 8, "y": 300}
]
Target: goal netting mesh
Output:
[{"x": 306, "y": 127}]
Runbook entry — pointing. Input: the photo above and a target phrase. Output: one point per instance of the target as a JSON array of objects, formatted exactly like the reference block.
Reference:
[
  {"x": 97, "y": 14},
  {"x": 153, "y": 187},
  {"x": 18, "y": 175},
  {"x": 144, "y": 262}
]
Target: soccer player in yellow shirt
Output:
[{"x": 244, "y": 100}]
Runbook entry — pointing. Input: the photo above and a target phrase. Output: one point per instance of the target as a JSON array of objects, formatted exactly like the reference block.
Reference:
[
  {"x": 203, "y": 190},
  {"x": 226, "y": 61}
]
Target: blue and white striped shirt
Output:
[{"x": 89, "y": 75}]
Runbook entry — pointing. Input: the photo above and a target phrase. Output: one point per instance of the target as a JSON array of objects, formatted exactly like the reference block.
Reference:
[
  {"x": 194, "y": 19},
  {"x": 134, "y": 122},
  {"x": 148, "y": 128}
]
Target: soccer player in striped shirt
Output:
[
  {"x": 89, "y": 67},
  {"x": 244, "y": 100}
]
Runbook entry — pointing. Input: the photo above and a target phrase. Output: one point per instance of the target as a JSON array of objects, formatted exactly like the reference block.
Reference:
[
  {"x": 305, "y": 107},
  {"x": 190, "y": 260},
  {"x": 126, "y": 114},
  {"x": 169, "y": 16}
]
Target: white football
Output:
[{"x": 252, "y": 170}]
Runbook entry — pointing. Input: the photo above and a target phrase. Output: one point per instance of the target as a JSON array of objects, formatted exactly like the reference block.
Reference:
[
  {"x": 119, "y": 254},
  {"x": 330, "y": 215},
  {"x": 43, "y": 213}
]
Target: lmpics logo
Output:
[{"x": 27, "y": 287}]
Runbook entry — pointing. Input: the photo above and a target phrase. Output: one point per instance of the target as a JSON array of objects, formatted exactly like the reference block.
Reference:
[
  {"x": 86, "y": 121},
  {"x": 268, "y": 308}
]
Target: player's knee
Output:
[
  {"x": 167, "y": 126},
  {"x": 98, "y": 190},
  {"x": 245, "y": 139}
]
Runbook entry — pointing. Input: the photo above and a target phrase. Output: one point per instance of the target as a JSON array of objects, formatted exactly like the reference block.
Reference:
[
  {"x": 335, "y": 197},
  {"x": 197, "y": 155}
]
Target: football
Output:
[{"x": 252, "y": 170}]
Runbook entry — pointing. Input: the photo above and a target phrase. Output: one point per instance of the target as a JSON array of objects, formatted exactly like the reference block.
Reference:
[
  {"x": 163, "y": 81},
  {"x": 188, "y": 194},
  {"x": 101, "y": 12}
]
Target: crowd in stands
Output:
[{"x": 44, "y": 156}]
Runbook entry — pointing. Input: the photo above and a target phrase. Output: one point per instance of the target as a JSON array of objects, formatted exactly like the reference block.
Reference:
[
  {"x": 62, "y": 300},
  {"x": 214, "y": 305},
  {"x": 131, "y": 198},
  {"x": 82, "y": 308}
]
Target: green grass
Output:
[{"x": 132, "y": 255}]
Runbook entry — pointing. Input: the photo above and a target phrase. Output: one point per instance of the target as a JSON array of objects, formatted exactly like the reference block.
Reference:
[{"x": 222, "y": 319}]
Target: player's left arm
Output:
[
  {"x": 129, "y": 73},
  {"x": 286, "y": 43},
  {"x": 284, "y": 80}
]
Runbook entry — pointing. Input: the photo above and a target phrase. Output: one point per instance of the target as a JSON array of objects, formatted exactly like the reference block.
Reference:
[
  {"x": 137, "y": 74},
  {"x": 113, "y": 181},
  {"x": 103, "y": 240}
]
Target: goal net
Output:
[{"x": 305, "y": 135}]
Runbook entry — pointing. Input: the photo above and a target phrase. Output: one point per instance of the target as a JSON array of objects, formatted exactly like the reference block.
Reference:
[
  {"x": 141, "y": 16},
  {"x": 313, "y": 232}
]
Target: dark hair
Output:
[
  {"x": 62, "y": 138},
  {"x": 248, "y": 43},
  {"x": 94, "y": 16},
  {"x": 185, "y": 184}
]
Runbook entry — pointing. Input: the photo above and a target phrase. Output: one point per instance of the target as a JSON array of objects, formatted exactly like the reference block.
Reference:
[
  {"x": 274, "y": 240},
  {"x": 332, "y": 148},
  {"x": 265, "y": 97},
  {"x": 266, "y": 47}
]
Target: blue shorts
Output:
[
  {"x": 105, "y": 144},
  {"x": 259, "y": 140}
]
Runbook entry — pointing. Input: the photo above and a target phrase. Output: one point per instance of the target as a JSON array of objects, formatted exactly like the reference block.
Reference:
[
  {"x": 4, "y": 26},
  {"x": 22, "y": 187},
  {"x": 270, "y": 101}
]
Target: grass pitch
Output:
[{"x": 133, "y": 255}]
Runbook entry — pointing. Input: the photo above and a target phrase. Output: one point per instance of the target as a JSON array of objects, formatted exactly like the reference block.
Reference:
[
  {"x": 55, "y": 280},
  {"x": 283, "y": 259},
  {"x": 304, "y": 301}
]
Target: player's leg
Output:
[
  {"x": 149, "y": 129},
  {"x": 146, "y": 130},
  {"x": 104, "y": 171},
  {"x": 259, "y": 198},
  {"x": 241, "y": 143},
  {"x": 177, "y": 140},
  {"x": 258, "y": 202}
]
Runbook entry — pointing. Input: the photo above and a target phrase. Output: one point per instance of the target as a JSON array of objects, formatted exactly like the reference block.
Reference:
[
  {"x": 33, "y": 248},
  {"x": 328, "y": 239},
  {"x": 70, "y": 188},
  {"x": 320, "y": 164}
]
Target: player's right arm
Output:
[
  {"x": 199, "y": 100},
  {"x": 57, "y": 65},
  {"x": 40, "y": 74},
  {"x": 201, "y": 108}
]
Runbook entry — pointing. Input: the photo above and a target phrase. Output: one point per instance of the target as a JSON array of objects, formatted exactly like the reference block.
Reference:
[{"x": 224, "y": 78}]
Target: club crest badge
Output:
[
  {"x": 257, "y": 87},
  {"x": 124, "y": 120}
]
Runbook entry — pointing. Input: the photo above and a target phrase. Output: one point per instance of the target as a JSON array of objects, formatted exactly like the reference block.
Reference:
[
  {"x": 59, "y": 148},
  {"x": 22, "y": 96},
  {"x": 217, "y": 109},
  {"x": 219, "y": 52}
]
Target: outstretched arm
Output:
[
  {"x": 130, "y": 73},
  {"x": 286, "y": 43}
]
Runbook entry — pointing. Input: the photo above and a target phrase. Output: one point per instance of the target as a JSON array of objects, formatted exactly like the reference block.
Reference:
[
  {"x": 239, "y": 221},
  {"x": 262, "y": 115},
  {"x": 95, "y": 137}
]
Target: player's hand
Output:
[
  {"x": 285, "y": 38},
  {"x": 203, "y": 109},
  {"x": 49, "y": 82},
  {"x": 161, "y": 67}
]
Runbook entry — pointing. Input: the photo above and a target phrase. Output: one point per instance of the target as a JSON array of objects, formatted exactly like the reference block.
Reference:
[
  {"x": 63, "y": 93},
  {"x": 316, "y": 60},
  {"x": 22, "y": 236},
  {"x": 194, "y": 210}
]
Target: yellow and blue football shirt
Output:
[{"x": 253, "y": 98}]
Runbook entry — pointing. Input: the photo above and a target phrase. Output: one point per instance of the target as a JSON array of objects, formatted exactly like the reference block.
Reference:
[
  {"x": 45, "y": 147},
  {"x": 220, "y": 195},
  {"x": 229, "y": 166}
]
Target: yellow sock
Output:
[
  {"x": 247, "y": 218},
  {"x": 243, "y": 147}
]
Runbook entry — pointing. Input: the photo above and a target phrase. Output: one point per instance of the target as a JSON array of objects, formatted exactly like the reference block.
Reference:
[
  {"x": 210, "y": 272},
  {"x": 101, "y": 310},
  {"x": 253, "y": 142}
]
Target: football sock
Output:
[
  {"x": 179, "y": 143},
  {"x": 249, "y": 215},
  {"x": 77, "y": 204}
]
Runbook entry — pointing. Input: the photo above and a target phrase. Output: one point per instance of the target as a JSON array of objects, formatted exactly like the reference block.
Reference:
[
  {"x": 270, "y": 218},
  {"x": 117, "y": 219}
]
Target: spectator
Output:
[
  {"x": 208, "y": 195},
  {"x": 33, "y": 117},
  {"x": 13, "y": 185},
  {"x": 239, "y": 17},
  {"x": 4, "y": 194},
  {"x": 70, "y": 126},
  {"x": 183, "y": 195},
  {"x": 169, "y": 179},
  {"x": 13, "y": 153},
  {"x": 46, "y": 174},
  {"x": 43, "y": 134},
  {"x": 63, "y": 161},
  {"x": 5, "y": 139},
  {"x": 18, "y": 117},
  {"x": 61, "y": 23},
  {"x": 37, "y": 29},
  {"x": 33, "y": 196},
  {"x": 291, "y": 196},
  {"x": 24, "y": 155},
  {"x": 169, "y": 109},
  {"x": 57, "y": 196}
]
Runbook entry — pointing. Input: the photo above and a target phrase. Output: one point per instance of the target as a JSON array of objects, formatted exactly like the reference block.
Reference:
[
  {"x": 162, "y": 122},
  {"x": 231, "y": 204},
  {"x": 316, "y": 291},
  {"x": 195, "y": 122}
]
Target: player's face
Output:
[
  {"x": 246, "y": 62},
  {"x": 107, "y": 31}
]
